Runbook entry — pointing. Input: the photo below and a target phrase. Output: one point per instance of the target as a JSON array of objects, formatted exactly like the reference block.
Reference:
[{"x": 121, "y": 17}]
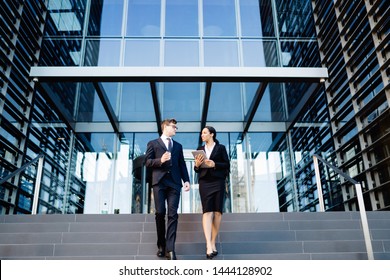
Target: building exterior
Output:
[{"x": 85, "y": 83}]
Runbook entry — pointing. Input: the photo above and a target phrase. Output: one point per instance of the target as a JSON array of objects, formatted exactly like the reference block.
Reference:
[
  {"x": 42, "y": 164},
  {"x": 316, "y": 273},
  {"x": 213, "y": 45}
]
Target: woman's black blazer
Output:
[{"x": 222, "y": 163}]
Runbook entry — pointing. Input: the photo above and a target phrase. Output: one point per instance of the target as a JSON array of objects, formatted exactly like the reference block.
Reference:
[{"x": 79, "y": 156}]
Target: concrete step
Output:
[{"x": 273, "y": 236}]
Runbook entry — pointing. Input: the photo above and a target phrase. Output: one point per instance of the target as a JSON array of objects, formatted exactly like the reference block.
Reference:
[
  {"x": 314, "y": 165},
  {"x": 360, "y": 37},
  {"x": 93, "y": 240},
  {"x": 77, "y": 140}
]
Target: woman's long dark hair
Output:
[{"x": 212, "y": 130}]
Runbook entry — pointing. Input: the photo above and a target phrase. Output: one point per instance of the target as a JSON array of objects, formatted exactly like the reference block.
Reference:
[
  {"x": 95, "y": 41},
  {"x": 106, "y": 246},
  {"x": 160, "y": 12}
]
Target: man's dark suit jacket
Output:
[
  {"x": 177, "y": 166},
  {"x": 222, "y": 164}
]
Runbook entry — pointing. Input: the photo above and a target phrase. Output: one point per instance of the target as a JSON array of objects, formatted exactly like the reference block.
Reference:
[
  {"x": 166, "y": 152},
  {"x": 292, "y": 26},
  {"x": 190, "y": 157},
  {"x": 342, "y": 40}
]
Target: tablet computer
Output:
[{"x": 200, "y": 152}]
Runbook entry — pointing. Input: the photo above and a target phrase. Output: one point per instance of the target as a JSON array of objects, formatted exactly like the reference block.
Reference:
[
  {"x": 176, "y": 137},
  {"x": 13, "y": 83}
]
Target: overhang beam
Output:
[{"x": 177, "y": 74}]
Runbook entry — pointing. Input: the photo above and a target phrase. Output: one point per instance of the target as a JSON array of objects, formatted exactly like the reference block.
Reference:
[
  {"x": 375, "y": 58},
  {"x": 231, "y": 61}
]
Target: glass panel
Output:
[
  {"x": 90, "y": 108},
  {"x": 111, "y": 91},
  {"x": 181, "y": 18},
  {"x": 225, "y": 102},
  {"x": 295, "y": 18},
  {"x": 106, "y": 18},
  {"x": 59, "y": 94},
  {"x": 259, "y": 53},
  {"x": 267, "y": 18},
  {"x": 219, "y": 18},
  {"x": 220, "y": 53},
  {"x": 271, "y": 107},
  {"x": 58, "y": 52},
  {"x": 300, "y": 54},
  {"x": 250, "y": 18},
  {"x": 66, "y": 18},
  {"x": 98, "y": 169},
  {"x": 181, "y": 101},
  {"x": 102, "y": 53},
  {"x": 254, "y": 189},
  {"x": 249, "y": 90},
  {"x": 137, "y": 103},
  {"x": 294, "y": 94},
  {"x": 142, "y": 53},
  {"x": 144, "y": 18},
  {"x": 181, "y": 53}
]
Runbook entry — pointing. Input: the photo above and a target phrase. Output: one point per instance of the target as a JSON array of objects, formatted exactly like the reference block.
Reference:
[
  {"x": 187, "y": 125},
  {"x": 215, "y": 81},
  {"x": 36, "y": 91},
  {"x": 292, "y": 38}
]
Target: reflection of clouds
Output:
[
  {"x": 213, "y": 30},
  {"x": 150, "y": 30},
  {"x": 104, "y": 167},
  {"x": 96, "y": 167}
]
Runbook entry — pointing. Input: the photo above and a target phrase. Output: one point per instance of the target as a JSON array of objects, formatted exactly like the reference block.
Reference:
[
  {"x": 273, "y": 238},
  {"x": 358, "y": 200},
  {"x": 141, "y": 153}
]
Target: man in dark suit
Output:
[{"x": 165, "y": 157}]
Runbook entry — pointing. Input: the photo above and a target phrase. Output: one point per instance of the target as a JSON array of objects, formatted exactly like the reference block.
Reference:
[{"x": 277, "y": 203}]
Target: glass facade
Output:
[{"x": 93, "y": 134}]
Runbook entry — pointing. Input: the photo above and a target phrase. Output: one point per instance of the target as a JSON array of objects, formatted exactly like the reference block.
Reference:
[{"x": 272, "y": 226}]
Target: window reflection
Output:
[
  {"x": 181, "y": 53},
  {"x": 259, "y": 53},
  {"x": 219, "y": 18},
  {"x": 136, "y": 102},
  {"x": 295, "y": 20},
  {"x": 98, "y": 168},
  {"x": 181, "y": 18},
  {"x": 271, "y": 107},
  {"x": 102, "y": 53},
  {"x": 225, "y": 102},
  {"x": 144, "y": 18},
  {"x": 181, "y": 101},
  {"x": 66, "y": 17},
  {"x": 59, "y": 52},
  {"x": 142, "y": 53},
  {"x": 91, "y": 108},
  {"x": 220, "y": 53},
  {"x": 250, "y": 18},
  {"x": 106, "y": 18}
]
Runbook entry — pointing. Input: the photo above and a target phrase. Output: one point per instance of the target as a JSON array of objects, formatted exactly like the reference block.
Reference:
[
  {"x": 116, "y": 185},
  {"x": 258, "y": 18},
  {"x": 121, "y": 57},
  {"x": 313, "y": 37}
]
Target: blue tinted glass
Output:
[
  {"x": 144, "y": 18},
  {"x": 91, "y": 108},
  {"x": 142, "y": 53},
  {"x": 140, "y": 142},
  {"x": 111, "y": 91},
  {"x": 250, "y": 18},
  {"x": 220, "y": 53},
  {"x": 295, "y": 19},
  {"x": 102, "y": 142},
  {"x": 295, "y": 52},
  {"x": 189, "y": 141},
  {"x": 106, "y": 18},
  {"x": 137, "y": 103},
  {"x": 181, "y": 53},
  {"x": 181, "y": 18},
  {"x": 259, "y": 53},
  {"x": 249, "y": 90},
  {"x": 181, "y": 101},
  {"x": 66, "y": 17},
  {"x": 69, "y": 55},
  {"x": 219, "y": 18},
  {"x": 225, "y": 102},
  {"x": 271, "y": 107},
  {"x": 102, "y": 53}
]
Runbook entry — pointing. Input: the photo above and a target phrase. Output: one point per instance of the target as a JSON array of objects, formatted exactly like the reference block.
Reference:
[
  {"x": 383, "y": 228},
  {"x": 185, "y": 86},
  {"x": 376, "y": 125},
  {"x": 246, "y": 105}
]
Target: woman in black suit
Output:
[{"x": 212, "y": 171}]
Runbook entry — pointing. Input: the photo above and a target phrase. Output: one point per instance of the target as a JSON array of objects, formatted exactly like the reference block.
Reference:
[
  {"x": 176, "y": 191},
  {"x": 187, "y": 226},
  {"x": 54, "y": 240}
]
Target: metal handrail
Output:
[
  {"x": 359, "y": 194},
  {"x": 37, "y": 188}
]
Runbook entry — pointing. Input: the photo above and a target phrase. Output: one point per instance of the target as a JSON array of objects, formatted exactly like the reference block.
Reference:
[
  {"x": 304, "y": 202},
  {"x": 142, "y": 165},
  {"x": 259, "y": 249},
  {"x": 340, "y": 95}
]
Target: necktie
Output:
[{"x": 169, "y": 144}]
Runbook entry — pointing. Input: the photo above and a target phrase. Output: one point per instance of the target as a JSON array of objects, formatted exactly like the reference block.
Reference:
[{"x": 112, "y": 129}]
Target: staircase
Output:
[{"x": 249, "y": 236}]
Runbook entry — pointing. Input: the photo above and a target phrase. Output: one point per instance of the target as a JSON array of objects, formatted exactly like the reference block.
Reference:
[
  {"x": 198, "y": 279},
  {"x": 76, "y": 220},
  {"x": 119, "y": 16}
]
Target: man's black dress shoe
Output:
[
  {"x": 161, "y": 252},
  {"x": 171, "y": 255}
]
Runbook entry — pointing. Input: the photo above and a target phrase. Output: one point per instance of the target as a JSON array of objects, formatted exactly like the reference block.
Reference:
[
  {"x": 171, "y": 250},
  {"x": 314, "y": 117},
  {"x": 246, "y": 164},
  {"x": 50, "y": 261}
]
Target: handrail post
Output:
[
  {"x": 363, "y": 217},
  {"x": 359, "y": 195},
  {"x": 37, "y": 186},
  {"x": 319, "y": 186}
]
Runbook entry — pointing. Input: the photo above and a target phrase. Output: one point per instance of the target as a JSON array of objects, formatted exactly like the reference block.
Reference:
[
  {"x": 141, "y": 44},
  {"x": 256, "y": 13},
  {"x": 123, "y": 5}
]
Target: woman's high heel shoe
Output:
[
  {"x": 209, "y": 256},
  {"x": 214, "y": 253}
]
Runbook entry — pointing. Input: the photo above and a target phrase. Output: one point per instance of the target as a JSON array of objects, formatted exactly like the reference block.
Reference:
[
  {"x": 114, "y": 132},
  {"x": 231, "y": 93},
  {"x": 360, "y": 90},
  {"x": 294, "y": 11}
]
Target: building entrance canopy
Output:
[{"x": 238, "y": 99}]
